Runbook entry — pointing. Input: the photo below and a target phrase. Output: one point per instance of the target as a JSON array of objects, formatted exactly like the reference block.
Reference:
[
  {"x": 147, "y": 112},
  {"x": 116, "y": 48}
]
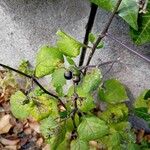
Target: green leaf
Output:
[
  {"x": 105, "y": 4},
  {"x": 79, "y": 144},
  {"x": 90, "y": 82},
  {"x": 113, "y": 92},
  {"x": 92, "y": 37},
  {"x": 47, "y": 106},
  {"x": 70, "y": 61},
  {"x": 147, "y": 95},
  {"x": 63, "y": 114},
  {"x": 114, "y": 113},
  {"x": 112, "y": 140},
  {"x": 25, "y": 67},
  {"x": 75, "y": 71},
  {"x": 58, "y": 77},
  {"x": 142, "y": 106},
  {"x": 19, "y": 110},
  {"x": 87, "y": 104},
  {"x": 119, "y": 137},
  {"x": 142, "y": 35},
  {"x": 59, "y": 137},
  {"x": 53, "y": 132},
  {"x": 100, "y": 45},
  {"x": 48, "y": 59},
  {"x": 58, "y": 80},
  {"x": 128, "y": 10},
  {"x": 48, "y": 127},
  {"x": 129, "y": 138},
  {"x": 121, "y": 126},
  {"x": 69, "y": 123},
  {"x": 115, "y": 141},
  {"x": 68, "y": 45},
  {"x": 140, "y": 101},
  {"x": 38, "y": 91},
  {"x": 145, "y": 145},
  {"x": 92, "y": 128},
  {"x": 133, "y": 146},
  {"x": 66, "y": 143},
  {"x": 142, "y": 112}
]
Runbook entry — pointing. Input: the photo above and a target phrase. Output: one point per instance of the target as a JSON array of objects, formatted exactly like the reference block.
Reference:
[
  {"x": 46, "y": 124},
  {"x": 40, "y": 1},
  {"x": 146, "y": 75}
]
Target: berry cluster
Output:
[{"x": 71, "y": 76}]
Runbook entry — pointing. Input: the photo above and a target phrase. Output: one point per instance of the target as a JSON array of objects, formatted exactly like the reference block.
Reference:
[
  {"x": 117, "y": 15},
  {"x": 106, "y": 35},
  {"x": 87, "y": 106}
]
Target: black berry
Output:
[
  {"x": 76, "y": 79},
  {"x": 68, "y": 75}
]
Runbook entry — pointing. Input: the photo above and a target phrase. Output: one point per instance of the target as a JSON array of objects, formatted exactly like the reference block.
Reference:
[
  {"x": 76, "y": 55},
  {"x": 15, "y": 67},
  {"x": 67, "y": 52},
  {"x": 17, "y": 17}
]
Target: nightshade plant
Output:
[{"x": 74, "y": 118}]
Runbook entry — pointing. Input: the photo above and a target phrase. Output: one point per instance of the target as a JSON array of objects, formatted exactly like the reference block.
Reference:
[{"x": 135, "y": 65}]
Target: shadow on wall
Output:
[{"x": 40, "y": 19}]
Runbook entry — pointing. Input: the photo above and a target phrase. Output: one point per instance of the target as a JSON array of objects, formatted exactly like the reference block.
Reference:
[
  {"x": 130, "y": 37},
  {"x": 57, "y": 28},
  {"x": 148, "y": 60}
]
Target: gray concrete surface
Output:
[{"x": 25, "y": 25}]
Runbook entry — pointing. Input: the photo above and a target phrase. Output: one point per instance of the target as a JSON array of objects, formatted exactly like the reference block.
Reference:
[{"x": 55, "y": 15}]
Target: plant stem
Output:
[
  {"x": 73, "y": 121},
  {"x": 128, "y": 48},
  {"x": 103, "y": 33},
  {"x": 75, "y": 98},
  {"x": 88, "y": 30},
  {"x": 35, "y": 81}
]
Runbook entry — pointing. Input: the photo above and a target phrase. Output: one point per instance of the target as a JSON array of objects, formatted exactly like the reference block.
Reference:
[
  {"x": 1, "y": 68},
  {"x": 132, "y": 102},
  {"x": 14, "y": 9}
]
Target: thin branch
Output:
[
  {"x": 35, "y": 81},
  {"x": 88, "y": 30},
  {"x": 99, "y": 65},
  {"x": 128, "y": 48},
  {"x": 103, "y": 33},
  {"x": 109, "y": 69}
]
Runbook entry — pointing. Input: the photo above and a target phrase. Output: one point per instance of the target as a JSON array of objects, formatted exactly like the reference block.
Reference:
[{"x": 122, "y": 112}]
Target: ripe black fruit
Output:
[
  {"x": 68, "y": 75},
  {"x": 76, "y": 79}
]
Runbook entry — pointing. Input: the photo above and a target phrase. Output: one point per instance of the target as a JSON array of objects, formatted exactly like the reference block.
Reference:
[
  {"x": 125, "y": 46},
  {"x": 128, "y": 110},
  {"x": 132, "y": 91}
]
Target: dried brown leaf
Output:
[
  {"x": 18, "y": 127},
  {"x": 6, "y": 106},
  {"x": 9, "y": 142},
  {"x": 46, "y": 147},
  {"x": 23, "y": 141},
  {"x": 2, "y": 97},
  {"x": 2, "y": 110},
  {"x": 8, "y": 92},
  {"x": 14, "y": 147},
  {"x": 139, "y": 136},
  {"x": 2, "y": 74},
  {"x": 40, "y": 142},
  {"x": 94, "y": 144},
  {"x": 5, "y": 124},
  {"x": 26, "y": 125},
  {"x": 35, "y": 126},
  {"x": 28, "y": 131},
  {"x": 147, "y": 137}
]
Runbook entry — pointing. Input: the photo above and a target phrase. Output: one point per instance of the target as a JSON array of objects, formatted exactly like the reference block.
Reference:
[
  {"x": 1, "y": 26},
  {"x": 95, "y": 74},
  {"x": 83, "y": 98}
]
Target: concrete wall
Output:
[{"x": 25, "y": 25}]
